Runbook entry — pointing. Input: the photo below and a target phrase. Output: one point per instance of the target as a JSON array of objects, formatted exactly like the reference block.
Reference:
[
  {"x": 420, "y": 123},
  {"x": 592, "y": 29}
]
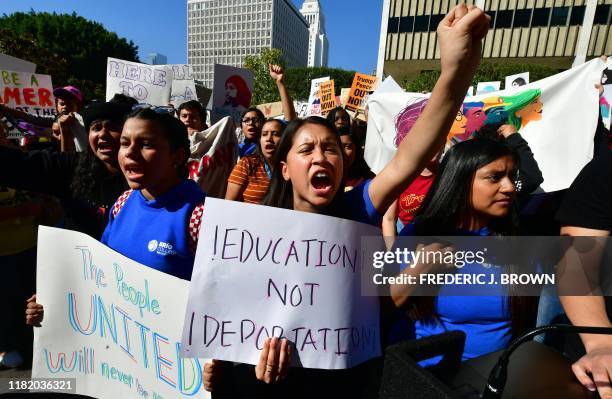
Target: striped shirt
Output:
[{"x": 250, "y": 174}]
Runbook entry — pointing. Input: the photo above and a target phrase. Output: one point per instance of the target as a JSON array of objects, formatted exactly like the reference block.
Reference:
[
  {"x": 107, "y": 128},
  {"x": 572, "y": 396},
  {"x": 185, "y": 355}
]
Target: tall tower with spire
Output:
[{"x": 318, "y": 46}]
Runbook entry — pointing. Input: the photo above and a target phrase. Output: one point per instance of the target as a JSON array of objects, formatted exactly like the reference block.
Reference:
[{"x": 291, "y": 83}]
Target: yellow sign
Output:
[
  {"x": 362, "y": 86},
  {"x": 328, "y": 96}
]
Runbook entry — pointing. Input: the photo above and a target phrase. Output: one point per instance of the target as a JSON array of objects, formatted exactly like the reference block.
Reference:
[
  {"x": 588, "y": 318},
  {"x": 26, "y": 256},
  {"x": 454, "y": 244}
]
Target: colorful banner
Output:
[
  {"x": 150, "y": 84},
  {"x": 232, "y": 92},
  {"x": 111, "y": 323},
  {"x": 27, "y": 92},
  {"x": 297, "y": 276},
  {"x": 328, "y": 97},
  {"x": 557, "y": 116},
  {"x": 518, "y": 80},
  {"x": 214, "y": 153},
  {"x": 314, "y": 100},
  {"x": 183, "y": 85},
  {"x": 362, "y": 86}
]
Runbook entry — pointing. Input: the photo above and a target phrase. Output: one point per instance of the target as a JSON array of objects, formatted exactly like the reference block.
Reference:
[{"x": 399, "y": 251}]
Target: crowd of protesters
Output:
[{"x": 118, "y": 171}]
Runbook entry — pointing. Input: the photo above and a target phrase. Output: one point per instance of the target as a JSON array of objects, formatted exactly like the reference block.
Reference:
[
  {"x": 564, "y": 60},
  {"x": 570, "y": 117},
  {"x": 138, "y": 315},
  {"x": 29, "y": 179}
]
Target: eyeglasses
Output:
[
  {"x": 155, "y": 108},
  {"x": 254, "y": 121}
]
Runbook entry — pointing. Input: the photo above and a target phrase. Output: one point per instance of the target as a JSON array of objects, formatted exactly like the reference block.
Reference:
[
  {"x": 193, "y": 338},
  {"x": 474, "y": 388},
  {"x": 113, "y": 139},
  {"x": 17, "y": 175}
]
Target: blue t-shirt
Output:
[
  {"x": 246, "y": 148},
  {"x": 485, "y": 320},
  {"x": 154, "y": 232},
  {"x": 357, "y": 205}
]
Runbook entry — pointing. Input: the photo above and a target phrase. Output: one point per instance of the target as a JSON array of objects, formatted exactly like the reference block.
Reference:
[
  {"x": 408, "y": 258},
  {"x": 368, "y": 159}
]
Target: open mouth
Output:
[
  {"x": 133, "y": 172},
  {"x": 322, "y": 183},
  {"x": 105, "y": 147}
]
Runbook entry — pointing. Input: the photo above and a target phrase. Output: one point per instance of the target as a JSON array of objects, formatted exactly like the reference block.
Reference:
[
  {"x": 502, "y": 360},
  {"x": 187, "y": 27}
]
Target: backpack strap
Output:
[
  {"x": 193, "y": 228},
  {"x": 120, "y": 202}
]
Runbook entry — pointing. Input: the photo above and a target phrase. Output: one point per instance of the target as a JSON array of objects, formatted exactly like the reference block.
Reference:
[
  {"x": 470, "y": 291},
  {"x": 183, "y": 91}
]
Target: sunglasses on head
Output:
[{"x": 155, "y": 108}]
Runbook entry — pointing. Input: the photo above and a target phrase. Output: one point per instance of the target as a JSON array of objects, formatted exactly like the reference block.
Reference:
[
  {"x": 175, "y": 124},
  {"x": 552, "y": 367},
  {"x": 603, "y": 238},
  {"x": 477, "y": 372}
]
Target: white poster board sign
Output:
[
  {"x": 314, "y": 102},
  {"x": 183, "y": 84},
  {"x": 487, "y": 87},
  {"x": 232, "y": 92},
  {"x": 111, "y": 323},
  {"x": 518, "y": 80},
  {"x": 296, "y": 276},
  {"x": 27, "y": 92},
  {"x": 150, "y": 84}
]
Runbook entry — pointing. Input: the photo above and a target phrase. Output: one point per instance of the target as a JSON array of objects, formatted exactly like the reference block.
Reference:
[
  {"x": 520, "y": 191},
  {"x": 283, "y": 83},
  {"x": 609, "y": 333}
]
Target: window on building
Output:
[
  {"x": 540, "y": 16},
  {"x": 577, "y": 15},
  {"x": 601, "y": 14},
  {"x": 559, "y": 16},
  {"x": 421, "y": 23},
  {"x": 504, "y": 19},
  {"x": 406, "y": 24},
  {"x": 393, "y": 24}
]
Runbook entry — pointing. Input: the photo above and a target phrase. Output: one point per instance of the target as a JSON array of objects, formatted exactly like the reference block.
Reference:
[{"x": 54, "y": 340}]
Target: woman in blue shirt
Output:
[{"x": 473, "y": 195}]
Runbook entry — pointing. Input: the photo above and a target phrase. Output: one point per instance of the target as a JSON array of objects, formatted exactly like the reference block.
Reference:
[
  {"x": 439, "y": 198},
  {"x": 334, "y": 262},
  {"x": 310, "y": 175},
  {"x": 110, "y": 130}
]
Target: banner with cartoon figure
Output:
[
  {"x": 557, "y": 116},
  {"x": 111, "y": 323}
]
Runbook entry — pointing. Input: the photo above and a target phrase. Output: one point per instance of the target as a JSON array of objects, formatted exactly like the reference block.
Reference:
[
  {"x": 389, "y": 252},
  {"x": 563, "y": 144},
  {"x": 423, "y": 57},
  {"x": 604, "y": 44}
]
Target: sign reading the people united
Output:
[{"x": 112, "y": 324}]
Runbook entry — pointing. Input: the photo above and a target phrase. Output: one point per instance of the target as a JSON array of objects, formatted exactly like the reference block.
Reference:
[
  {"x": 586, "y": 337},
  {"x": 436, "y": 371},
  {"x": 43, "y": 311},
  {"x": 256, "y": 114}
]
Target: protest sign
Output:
[
  {"x": 271, "y": 110},
  {"x": 297, "y": 276},
  {"x": 183, "y": 84},
  {"x": 150, "y": 84},
  {"x": 301, "y": 108},
  {"x": 362, "y": 85},
  {"x": 344, "y": 95},
  {"x": 10, "y": 63},
  {"x": 328, "y": 96},
  {"x": 605, "y": 100},
  {"x": 111, "y": 323},
  {"x": 314, "y": 101},
  {"x": 518, "y": 80},
  {"x": 470, "y": 91},
  {"x": 214, "y": 153},
  {"x": 557, "y": 116},
  {"x": 231, "y": 92},
  {"x": 27, "y": 92},
  {"x": 487, "y": 87},
  {"x": 203, "y": 94}
]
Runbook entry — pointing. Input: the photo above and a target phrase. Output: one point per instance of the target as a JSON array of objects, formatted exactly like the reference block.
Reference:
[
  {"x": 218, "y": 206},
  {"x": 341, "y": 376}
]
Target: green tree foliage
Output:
[
  {"x": 486, "y": 72},
  {"x": 297, "y": 80},
  {"x": 264, "y": 89},
  {"x": 83, "y": 44}
]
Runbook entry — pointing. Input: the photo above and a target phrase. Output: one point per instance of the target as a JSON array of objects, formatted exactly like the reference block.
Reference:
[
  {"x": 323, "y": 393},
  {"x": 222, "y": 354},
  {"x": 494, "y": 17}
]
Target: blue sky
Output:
[{"x": 353, "y": 26}]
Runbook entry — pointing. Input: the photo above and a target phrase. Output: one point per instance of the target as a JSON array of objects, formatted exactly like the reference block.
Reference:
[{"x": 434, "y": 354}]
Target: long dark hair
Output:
[
  {"x": 258, "y": 151},
  {"x": 280, "y": 191},
  {"x": 448, "y": 201},
  {"x": 174, "y": 132},
  {"x": 359, "y": 168}
]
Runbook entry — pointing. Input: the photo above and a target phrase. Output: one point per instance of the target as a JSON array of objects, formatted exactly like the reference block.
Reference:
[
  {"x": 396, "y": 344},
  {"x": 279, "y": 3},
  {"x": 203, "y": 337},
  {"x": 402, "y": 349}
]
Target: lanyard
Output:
[{"x": 267, "y": 169}]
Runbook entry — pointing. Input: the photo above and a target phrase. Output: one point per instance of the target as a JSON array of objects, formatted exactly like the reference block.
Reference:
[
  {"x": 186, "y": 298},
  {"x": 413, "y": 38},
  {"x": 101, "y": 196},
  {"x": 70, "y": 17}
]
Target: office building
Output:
[
  {"x": 545, "y": 32},
  {"x": 156, "y": 59},
  {"x": 226, "y": 31}
]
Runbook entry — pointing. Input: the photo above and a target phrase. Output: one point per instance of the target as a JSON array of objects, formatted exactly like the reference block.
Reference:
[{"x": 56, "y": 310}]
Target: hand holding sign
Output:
[
  {"x": 274, "y": 360},
  {"x": 34, "y": 312}
]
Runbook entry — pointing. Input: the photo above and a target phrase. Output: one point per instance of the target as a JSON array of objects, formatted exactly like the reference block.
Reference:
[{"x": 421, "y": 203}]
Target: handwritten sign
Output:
[
  {"x": 328, "y": 96},
  {"x": 27, "y": 92},
  {"x": 296, "y": 276},
  {"x": 362, "y": 86},
  {"x": 151, "y": 84},
  {"x": 111, "y": 323},
  {"x": 183, "y": 84}
]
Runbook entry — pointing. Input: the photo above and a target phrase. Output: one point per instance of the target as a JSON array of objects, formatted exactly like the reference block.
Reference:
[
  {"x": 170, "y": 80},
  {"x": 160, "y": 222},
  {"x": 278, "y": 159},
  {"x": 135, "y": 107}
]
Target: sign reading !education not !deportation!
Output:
[
  {"x": 27, "y": 92},
  {"x": 362, "y": 85},
  {"x": 296, "y": 276},
  {"x": 111, "y": 323}
]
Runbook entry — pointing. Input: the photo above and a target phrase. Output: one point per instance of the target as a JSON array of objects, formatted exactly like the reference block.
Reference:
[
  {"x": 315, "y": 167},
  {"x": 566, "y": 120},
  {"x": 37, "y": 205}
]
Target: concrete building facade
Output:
[
  {"x": 547, "y": 32},
  {"x": 226, "y": 31},
  {"x": 318, "y": 44},
  {"x": 156, "y": 59}
]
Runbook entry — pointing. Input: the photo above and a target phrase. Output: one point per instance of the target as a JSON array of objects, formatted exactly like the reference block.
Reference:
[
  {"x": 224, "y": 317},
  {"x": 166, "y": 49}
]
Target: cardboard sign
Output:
[
  {"x": 518, "y": 80},
  {"x": 314, "y": 100},
  {"x": 27, "y": 92},
  {"x": 183, "y": 84},
  {"x": 271, "y": 110},
  {"x": 328, "y": 97},
  {"x": 547, "y": 114},
  {"x": 297, "y": 276},
  {"x": 362, "y": 86},
  {"x": 110, "y": 322},
  {"x": 150, "y": 84},
  {"x": 231, "y": 92}
]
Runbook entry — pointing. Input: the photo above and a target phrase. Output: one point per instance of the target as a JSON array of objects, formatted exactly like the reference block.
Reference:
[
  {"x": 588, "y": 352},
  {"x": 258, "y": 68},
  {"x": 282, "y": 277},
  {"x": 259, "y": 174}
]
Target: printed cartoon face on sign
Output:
[{"x": 524, "y": 107}]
